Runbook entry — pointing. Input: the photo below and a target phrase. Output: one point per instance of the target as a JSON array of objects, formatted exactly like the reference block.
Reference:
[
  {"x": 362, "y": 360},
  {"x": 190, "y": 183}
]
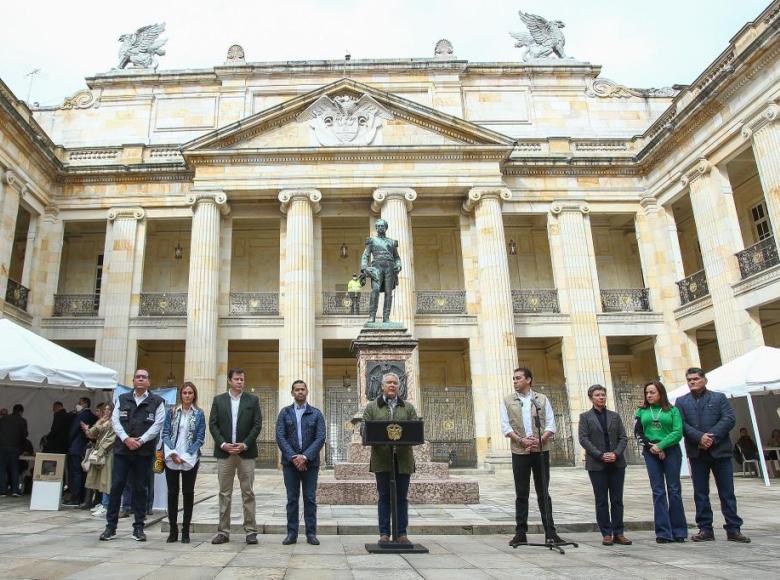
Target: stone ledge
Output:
[
  {"x": 756, "y": 281},
  {"x": 357, "y": 471},
  {"x": 421, "y": 491},
  {"x": 693, "y": 307}
]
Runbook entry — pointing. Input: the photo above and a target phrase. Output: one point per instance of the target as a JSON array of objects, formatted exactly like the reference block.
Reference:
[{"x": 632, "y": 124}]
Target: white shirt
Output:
[
  {"x": 299, "y": 411},
  {"x": 152, "y": 432},
  {"x": 526, "y": 402},
  {"x": 234, "y": 403},
  {"x": 181, "y": 446}
]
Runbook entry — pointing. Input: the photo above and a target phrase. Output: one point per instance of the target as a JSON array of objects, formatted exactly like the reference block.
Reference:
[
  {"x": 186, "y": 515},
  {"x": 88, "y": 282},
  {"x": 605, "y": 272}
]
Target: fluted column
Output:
[
  {"x": 13, "y": 189},
  {"x": 657, "y": 254},
  {"x": 496, "y": 347},
  {"x": 48, "y": 254},
  {"x": 585, "y": 356},
  {"x": 717, "y": 228},
  {"x": 297, "y": 355},
  {"x": 123, "y": 241},
  {"x": 200, "y": 352},
  {"x": 393, "y": 204},
  {"x": 764, "y": 130}
]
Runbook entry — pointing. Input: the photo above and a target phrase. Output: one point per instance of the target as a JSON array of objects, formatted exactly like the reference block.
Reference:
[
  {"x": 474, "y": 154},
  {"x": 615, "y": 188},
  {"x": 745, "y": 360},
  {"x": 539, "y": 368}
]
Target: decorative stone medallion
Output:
[{"x": 345, "y": 120}]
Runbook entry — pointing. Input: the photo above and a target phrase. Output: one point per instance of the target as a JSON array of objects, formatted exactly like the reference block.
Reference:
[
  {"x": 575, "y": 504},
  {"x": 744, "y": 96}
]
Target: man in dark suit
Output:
[
  {"x": 57, "y": 439},
  {"x": 707, "y": 419},
  {"x": 13, "y": 433},
  {"x": 300, "y": 434},
  {"x": 235, "y": 424},
  {"x": 603, "y": 437},
  {"x": 78, "y": 443}
]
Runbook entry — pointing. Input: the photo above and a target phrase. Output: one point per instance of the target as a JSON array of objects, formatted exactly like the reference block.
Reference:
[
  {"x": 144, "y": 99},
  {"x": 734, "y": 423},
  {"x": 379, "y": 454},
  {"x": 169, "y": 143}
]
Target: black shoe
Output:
[
  {"x": 173, "y": 535},
  {"x": 315, "y": 542},
  {"x": 251, "y": 538},
  {"x": 554, "y": 539},
  {"x": 290, "y": 539},
  {"x": 107, "y": 534},
  {"x": 703, "y": 537},
  {"x": 138, "y": 535},
  {"x": 680, "y": 540},
  {"x": 663, "y": 541},
  {"x": 185, "y": 534},
  {"x": 220, "y": 538},
  {"x": 738, "y": 537},
  {"x": 520, "y": 538},
  {"x": 71, "y": 504}
]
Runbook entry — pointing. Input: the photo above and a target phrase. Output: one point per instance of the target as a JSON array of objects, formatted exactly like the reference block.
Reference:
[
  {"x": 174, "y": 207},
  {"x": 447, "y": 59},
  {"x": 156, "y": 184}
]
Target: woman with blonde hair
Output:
[
  {"x": 183, "y": 434},
  {"x": 99, "y": 473}
]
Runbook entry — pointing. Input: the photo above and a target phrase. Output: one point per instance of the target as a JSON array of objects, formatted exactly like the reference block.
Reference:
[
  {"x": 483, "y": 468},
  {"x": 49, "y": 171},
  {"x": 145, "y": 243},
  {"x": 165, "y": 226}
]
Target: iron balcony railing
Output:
[
  {"x": 76, "y": 304},
  {"x": 625, "y": 300},
  {"x": 17, "y": 294},
  {"x": 163, "y": 304},
  {"x": 441, "y": 302},
  {"x": 758, "y": 257},
  {"x": 538, "y": 300},
  {"x": 254, "y": 303},
  {"x": 693, "y": 287},
  {"x": 345, "y": 303}
]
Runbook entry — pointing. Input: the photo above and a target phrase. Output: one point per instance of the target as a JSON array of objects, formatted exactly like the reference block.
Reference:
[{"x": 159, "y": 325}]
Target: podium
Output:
[{"x": 394, "y": 434}]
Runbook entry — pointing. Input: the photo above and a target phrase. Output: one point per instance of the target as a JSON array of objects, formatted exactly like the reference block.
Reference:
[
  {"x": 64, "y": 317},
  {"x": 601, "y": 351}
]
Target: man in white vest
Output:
[{"x": 530, "y": 453}]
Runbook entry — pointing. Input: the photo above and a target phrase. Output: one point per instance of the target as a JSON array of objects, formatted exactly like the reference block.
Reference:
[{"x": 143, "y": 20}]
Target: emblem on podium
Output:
[{"x": 394, "y": 432}]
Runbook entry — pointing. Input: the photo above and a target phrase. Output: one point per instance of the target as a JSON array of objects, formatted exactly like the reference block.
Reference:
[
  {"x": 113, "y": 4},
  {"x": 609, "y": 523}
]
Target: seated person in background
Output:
[
  {"x": 773, "y": 441},
  {"x": 745, "y": 448}
]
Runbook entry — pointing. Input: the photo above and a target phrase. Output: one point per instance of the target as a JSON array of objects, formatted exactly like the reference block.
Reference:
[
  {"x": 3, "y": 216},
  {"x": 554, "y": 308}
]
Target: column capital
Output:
[
  {"x": 701, "y": 167},
  {"x": 217, "y": 198},
  {"x": 12, "y": 178},
  {"x": 126, "y": 213},
  {"x": 648, "y": 205},
  {"x": 569, "y": 205},
  {"x": 312, "y": 196},
  {"x": 769, "y": 115},
  {"x": 50, "y": 214},
  {"x": 477, "y": 194},
  {"x": 382, "y": 194}
]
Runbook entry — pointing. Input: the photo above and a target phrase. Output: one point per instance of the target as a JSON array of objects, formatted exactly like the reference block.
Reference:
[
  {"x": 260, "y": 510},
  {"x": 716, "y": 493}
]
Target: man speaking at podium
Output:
[{"x": 389, "y": 407}]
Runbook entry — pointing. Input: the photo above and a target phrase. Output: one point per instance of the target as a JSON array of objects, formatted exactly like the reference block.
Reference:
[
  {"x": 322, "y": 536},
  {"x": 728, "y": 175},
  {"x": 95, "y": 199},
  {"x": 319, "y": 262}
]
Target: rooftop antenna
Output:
[
  {"x": 347, "y": 58},
  {"x": 32, "y": 74}
]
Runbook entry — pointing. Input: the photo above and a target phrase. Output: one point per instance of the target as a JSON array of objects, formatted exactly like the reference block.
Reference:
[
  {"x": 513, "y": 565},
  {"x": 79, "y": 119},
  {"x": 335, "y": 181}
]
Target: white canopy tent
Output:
[
  {"x": 36, "y": 372},
  {"x": 753, "y": 374}
]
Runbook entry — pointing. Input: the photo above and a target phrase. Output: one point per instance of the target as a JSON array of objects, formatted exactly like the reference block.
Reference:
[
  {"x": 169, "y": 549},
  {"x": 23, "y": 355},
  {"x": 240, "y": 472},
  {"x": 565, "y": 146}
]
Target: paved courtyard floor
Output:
[{"x": 64, "y": 544}]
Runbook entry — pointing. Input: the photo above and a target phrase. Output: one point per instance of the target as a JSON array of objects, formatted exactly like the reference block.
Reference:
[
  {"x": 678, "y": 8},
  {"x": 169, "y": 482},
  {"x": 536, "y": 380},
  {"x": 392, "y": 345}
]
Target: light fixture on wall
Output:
[
  {"x": 343, "y": 251},
  {"x": 178, "y": 251},
  {"x": 512, "y": 248},
  {"x": 346, "y": 381}
]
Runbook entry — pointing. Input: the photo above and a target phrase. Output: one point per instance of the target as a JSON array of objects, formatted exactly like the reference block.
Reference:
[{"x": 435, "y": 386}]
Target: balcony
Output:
[
  {"x": 341, "y": 303},
  {"x": 535, "y": 301},
  {"x": 441, "y": 302},
  {"x": 17, "y": 295},
  {"x": 693, "y": 287},
  {"x": 163, "y": 304},
  {"x": 758, "y": 257},
  {"x": 625, "y": 300},
  {"x": 254, "y": 304},
  {"x": 76, "y": 304}
]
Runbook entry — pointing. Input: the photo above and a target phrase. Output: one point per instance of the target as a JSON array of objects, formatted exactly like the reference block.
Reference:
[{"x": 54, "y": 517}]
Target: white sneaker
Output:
[{"x": 99, "y": 512}]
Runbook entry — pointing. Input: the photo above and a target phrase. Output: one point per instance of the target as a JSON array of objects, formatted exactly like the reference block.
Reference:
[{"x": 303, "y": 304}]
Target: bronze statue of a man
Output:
[{"x": 383, "y": 269}]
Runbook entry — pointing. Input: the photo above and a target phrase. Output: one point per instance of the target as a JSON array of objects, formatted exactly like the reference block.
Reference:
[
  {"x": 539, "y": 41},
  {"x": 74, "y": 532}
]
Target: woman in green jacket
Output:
[{"x": 658, "y": 427}]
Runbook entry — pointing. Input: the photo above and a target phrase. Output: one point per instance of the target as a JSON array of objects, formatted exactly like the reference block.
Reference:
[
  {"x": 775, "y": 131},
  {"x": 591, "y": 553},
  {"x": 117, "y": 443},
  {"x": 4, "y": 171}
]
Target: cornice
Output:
[
  {"x": 126, "y": 174},
  {"x": 160, "y": 322},
  {"x": 757, "y": 281},
  {"x": 693, "y": 307},
  {"x": 74, "y": 323}
]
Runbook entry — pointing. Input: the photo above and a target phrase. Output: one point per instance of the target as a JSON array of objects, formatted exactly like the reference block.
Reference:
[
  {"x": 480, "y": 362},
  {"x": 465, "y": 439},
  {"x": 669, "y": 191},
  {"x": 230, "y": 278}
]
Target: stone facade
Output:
[{"x": 196, "y": 220}]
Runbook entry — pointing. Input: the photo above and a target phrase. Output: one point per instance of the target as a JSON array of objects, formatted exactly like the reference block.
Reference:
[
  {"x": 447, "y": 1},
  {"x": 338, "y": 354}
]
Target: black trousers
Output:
[
  {"x": 608, "y": 493},
  {"x": 134, "y": 469},
  {"x": 522, "y": 467},
  {"x": 187, "y": 478}
]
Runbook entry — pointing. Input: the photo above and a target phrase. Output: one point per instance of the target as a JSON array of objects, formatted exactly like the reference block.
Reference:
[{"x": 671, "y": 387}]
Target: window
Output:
[
  {"x": 760, "y": 221},
  {"x": 98, "y": 281}
]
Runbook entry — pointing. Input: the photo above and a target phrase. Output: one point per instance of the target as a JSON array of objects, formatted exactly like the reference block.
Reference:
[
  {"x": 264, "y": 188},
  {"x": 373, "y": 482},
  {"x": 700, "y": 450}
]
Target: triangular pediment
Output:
[{"x": 346, "y": 114}]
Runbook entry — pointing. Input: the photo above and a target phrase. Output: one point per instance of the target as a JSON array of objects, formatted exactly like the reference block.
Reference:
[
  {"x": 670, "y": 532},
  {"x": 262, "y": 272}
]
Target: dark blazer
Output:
[
  {"x": 712, "y": 413},
  {"x": 312, "y": 434},
  {"x": 78, "y": 441},
  {"x": 58, "y": 437},
  {"x": 591, "y": 438},
  {"x": 248, "y": 425},
  {"x": 13, "y": 431}
]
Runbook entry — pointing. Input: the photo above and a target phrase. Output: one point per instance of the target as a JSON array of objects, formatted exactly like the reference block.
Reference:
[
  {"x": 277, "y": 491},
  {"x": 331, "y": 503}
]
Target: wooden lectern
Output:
[{"x": 393, "y": 434}]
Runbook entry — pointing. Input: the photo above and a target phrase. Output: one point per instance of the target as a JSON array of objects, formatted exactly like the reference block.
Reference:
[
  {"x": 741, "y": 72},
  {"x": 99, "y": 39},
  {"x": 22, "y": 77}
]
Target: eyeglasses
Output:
[{"x": 141, "y": 376}]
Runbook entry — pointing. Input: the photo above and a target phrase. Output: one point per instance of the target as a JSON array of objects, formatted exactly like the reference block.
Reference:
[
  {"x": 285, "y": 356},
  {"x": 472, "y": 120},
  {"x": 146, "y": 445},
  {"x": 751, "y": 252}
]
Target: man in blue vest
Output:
[{"x": 137, "y": 420}]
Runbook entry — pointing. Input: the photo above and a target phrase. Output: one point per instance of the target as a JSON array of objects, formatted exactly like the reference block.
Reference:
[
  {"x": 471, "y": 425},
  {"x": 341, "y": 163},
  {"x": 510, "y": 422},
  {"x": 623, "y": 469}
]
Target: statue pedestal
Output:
[{"x": 382, "y": 348}]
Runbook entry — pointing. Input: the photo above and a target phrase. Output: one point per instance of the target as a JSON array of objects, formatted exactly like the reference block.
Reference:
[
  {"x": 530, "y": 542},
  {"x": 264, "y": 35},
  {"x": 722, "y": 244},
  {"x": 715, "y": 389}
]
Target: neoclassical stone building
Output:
[{"x": 194, "y": 220}]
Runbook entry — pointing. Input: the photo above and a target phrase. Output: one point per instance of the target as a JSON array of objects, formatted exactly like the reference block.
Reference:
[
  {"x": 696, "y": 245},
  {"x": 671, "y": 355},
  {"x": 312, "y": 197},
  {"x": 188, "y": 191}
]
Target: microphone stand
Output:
[{"x": 547, "y": 515}]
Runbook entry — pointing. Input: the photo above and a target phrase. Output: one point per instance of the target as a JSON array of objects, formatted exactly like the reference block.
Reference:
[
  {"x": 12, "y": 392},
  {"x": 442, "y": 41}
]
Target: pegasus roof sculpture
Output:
[{"x": 543, "y": 39}]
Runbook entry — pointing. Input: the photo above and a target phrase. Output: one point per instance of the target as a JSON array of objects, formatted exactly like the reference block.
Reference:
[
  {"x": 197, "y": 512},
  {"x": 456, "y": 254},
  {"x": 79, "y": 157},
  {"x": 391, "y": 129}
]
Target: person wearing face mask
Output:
[{"x": 78, "y": 444}]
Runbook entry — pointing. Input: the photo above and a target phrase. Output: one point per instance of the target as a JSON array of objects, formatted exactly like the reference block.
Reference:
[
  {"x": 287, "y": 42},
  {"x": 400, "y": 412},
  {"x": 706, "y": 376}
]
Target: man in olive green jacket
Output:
[
  {"x": 388, "y": 406},
  {"x": 234, "y": 423}
]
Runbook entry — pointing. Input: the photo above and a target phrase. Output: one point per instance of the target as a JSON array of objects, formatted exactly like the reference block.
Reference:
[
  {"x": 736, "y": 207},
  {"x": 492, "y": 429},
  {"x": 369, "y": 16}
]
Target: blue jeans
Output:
[
  {"x": 9, "y": 464},
  {"x": 134, "y": 469},
  {"x": 724, "y": 481},
  {"x": 608, "y": 492},
  {"x": 385, "y": 511},
  {"x": 669, "y": 514},
  {"x": 294, "y": 482}
]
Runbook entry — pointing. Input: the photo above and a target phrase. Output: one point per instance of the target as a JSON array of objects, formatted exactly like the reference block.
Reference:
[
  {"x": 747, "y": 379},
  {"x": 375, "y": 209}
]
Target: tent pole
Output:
[{"x": 758, "y": 440}]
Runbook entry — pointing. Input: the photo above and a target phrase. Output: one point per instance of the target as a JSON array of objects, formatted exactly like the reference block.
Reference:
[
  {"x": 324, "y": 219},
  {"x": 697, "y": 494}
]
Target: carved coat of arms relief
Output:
[{"x": 345, "y": 120}]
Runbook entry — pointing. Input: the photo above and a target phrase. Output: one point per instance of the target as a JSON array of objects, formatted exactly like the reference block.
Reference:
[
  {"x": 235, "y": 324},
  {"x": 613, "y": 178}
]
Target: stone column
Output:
[
  {"x": 717, "y": 228},
  {"x": 13, "y": 190},
  {"x": 48, "y": 254},
  {"x": 764, "y": 130},
  {"x": 657, "y": 254},
  {"x": 393, "y": 204},
  {"x": 584, "y": 351},
  {"x": 122, "y": 241},
  {"x": 200, "y": 351},
  {"x": 297, "y": 353},
  {"x": 497, "y": 346},
  {"x": 29, "y": 250}
]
